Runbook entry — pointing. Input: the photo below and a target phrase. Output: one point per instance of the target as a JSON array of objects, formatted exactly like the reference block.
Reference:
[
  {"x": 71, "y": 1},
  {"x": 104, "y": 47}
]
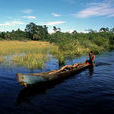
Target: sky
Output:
[{"x": 69, "y": 15}]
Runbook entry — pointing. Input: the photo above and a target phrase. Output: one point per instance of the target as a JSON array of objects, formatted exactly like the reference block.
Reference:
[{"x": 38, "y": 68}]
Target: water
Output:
[{"x": 88, "y": 92}]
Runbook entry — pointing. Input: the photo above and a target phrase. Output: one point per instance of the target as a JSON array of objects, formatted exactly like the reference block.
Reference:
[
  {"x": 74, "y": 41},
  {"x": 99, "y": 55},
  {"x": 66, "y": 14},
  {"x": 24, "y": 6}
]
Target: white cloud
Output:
[
  {"x": 97, "y": 9},
  {"x": 55, "y": 15},
  {"x": 12, "y": 23},
  {"x": 55, "y": 23},
  {"x": 51, "y": 31},
  {"x": 52, "y": 23},
  {"x": 27, "y": 11},
  {"x": 29, "y": 17}
]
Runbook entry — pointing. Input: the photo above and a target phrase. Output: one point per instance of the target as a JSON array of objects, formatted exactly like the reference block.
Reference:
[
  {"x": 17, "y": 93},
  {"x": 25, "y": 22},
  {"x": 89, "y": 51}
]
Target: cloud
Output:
[
  {"x": 55, "y": 15},
  {"x": 13, "y": 23},
  {"x": 52, "y": 23},
  {"x": 97, "y": 9},
  {"x": 27, "y": 11},
  {"x": 55, "y": 23},
  {"x": 29, "y": 17}
]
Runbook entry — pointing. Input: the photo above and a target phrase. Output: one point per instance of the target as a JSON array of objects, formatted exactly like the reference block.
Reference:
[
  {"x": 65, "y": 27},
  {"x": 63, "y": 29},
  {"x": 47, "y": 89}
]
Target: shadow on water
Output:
[
  {"x": 40, "y": 88},
  {"x": 91, "y": 71},
  {"x": 34, "y": 90}
]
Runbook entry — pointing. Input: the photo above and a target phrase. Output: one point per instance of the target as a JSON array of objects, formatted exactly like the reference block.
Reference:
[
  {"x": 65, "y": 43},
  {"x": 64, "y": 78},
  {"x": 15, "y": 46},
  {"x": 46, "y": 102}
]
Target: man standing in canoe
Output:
[{"x": 92, "y": 58}]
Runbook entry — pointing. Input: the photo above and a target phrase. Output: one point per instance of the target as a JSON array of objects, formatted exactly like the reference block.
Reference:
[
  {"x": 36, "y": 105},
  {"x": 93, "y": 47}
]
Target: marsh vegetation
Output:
[{"x": 31, "y": 54}]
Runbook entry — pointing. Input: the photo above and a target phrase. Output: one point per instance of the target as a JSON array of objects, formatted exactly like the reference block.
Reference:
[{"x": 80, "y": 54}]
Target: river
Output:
[{"x": 88, "y": 92}]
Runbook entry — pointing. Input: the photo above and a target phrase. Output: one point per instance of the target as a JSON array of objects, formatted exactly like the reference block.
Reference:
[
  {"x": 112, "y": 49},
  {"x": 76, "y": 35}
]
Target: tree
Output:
[
  {"x": 74, "y": 32},
  {"x": 2, "y": 35},
  {"x": 35, "y": 36},
  {"x": 8, "y": 36},
  {"x": 36, "y": 32},
  {"x": 103, "y": 29},
  {"x": 46, "y": 29},
  {"x": 112, "y": 30},
  {"x": 54, "y": 28},
  {"x": 31, "y": 29},
  {"x": 91, "y": 31}
]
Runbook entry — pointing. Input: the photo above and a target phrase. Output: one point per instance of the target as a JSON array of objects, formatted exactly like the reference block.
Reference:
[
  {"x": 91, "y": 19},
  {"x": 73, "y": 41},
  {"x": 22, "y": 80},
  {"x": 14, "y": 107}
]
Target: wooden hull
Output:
[{"x": 33, "y": 78}]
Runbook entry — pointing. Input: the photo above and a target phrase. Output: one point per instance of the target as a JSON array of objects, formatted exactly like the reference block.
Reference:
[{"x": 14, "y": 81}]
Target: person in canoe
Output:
[
  {"x": 69, "y": 67},
  {"x": 91, "y": 58}
]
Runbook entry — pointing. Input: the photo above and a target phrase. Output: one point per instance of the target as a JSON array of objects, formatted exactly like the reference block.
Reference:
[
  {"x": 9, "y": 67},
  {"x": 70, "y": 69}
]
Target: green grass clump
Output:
[{"x": 31, "y": 60}]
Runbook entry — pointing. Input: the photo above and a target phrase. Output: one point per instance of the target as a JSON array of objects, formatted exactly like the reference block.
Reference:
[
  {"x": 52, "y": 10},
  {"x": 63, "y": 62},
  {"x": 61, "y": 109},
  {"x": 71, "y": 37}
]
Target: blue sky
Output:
[{"x": 68, "y": 15}]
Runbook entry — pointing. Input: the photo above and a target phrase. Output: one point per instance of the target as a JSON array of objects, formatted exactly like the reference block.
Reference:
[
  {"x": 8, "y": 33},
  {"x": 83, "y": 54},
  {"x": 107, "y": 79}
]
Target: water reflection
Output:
[
  {"x": 40, "y": 88},
  {"x": 91, "y": 71}
]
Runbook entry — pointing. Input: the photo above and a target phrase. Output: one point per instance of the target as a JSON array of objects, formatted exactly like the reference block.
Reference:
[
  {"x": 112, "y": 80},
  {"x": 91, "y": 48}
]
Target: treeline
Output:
[
  {"x": 73, "y": 43},
  {"x": 13, "y": 35},
  {"x": 38, "y": 32},
  {"x": 31, "y": 32}
]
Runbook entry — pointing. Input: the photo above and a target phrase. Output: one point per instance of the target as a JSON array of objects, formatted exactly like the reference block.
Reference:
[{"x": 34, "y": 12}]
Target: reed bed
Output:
[
  {"x": 31, "y": 54},
  {"x": 31, "y": 60}
]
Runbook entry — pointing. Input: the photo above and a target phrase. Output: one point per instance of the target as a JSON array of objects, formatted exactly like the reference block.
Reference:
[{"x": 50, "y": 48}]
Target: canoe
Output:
[{"x": 33, "y": 78}]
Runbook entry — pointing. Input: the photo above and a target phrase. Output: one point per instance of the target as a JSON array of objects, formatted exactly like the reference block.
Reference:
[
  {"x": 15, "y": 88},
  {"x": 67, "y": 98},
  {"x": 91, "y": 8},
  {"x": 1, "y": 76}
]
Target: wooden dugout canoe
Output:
[{"x": 33, "y": 78}]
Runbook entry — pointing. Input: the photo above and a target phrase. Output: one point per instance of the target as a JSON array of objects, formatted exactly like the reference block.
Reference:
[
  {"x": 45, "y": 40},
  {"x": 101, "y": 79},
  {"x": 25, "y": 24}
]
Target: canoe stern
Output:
[{"x": 26, "y": 79}]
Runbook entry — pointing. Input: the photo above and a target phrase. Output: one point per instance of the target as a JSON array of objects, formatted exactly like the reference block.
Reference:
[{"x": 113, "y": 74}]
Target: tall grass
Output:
[
  {"x": 16, "y": 47},
  {"x": 31, "y": 60},
  {"x": 31, "y": 54}
]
